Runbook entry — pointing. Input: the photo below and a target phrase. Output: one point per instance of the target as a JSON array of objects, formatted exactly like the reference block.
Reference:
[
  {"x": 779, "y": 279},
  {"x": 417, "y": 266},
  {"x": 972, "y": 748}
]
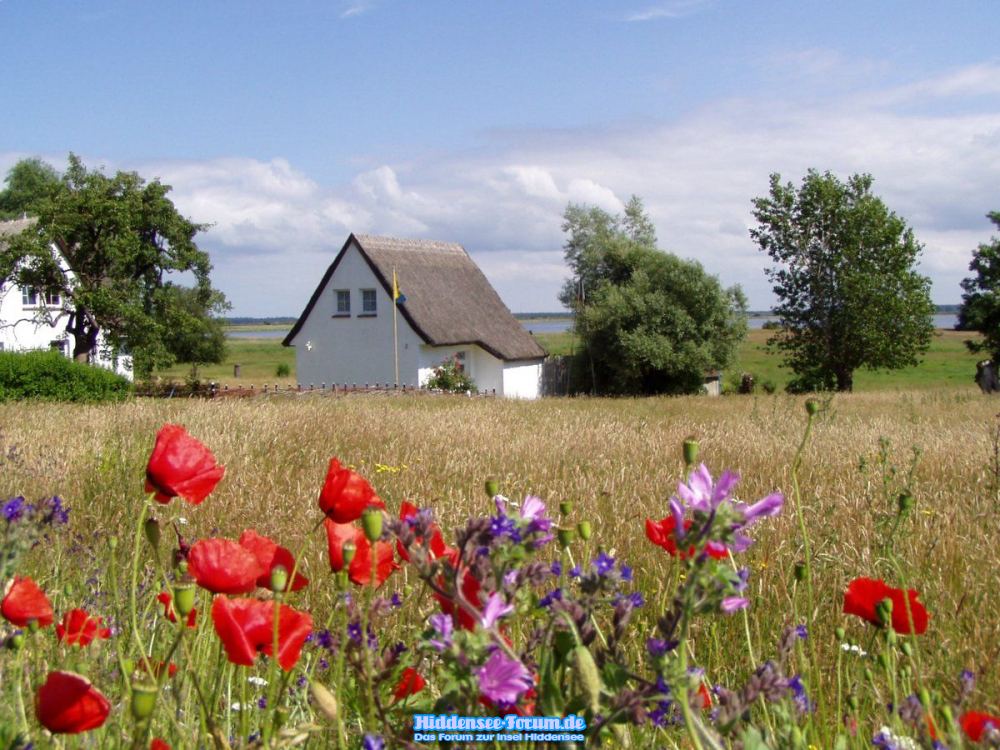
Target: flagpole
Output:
[{"x": 395, "y": 337}]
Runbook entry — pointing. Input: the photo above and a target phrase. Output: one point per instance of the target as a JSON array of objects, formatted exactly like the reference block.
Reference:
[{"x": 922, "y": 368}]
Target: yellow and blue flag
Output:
[{"x": 397, "y": 296}]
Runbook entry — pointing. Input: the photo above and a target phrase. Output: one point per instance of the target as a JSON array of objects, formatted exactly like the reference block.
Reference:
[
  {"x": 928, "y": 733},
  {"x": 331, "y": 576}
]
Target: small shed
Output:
[{"x": 355, "y": 329}]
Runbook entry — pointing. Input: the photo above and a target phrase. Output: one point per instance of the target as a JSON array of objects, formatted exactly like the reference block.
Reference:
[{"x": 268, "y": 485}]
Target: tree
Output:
[
  {"x": 107, "y": 245},
  {"x": 980, "y": 309},
  {"x": 193, "y": 332},
  {"x": 648, "y": 321},
  {"x": 849, "y": 295}
]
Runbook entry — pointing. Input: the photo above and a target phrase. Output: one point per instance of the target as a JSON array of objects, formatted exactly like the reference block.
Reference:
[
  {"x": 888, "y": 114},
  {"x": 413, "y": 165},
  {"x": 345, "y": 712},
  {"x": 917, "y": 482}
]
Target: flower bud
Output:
[
  {"x": 852, "y": 701},
  {"x": 182, "y": 566},
  {"x": 565, "y": 507},
  {"x": 324, "y": 700},
  {"x": 841, "y": 634},
  {"x": 800, "y": 571},
  {"x": 143, "y": 699},
  {"x": 16, "y": 642},
  {"x": 33, "y": 625},
  {"x": 566, "y": 537},
  {"x": 348, "y": 551},
  {"x": 904, "y": 502},
  {"x": 906, "y": 648},
  {"x": 883, "y": 661},
  {"x": 184, "y": 596},
  {"x": 371, "y": 522},
  {"x": 584, "y": 530},
  {"x": 492, "y": 487},
  {"x": 69, "y": 589},
  {"x": 152, "y": 531},
  {"x": 869, "y": 675},
  {"x": 812, "y": 407},
  {"x": 690, "y": 451},
  {"x": 113, "y": 542},
  {"x": 891, "y": 637},
  {"x": 586, "y": 672},
  {"x": 279, "y": 578},
  {"x": 883, "y": 610}
]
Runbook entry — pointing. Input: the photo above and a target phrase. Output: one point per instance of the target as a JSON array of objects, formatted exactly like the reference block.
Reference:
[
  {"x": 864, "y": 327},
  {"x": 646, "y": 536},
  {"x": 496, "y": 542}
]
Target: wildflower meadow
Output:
[{"x": 411, "y": 571}]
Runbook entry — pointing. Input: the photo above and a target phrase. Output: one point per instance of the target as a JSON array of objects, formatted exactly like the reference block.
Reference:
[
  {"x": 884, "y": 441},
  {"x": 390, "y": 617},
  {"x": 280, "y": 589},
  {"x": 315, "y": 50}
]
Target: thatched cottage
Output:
[{"x": 345, "y": 333}]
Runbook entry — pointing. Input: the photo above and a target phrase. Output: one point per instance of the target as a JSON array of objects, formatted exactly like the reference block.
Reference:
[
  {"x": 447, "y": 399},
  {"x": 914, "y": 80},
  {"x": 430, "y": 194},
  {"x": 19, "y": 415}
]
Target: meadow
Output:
[{"x": 617, "y": 462}]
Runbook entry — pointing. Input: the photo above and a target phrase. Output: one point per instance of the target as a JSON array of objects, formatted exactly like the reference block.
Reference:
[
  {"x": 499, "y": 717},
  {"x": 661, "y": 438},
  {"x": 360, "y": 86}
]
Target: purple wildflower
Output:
[
  {"x": 443, "y": 626},
  {"x": 503, "y": 679},
  {"x": 732, "y": 603},
  {"x": 396, "y": 600},
  {"x": 626, "y": 572},
  {"x": 324, "y": 639},
  {"x": 495, "y": 609},
  {"x": 13, "y": 509},
  {"x": 660, "y": 647},
  {"x": 373, "y": 742},
  {"x": 532, "y": 511},
  {"x": 354, "y": 631},
  {"x": 575, "y": 572},
  {"x": 555, "y": 595},
  {"x": 635, "y": 598},
  {"x": 604, "y": 564},
  {"x": 262, "y": 703},
  {"x": 801, "y": 632},
  {"x": 556, "y": 568}
]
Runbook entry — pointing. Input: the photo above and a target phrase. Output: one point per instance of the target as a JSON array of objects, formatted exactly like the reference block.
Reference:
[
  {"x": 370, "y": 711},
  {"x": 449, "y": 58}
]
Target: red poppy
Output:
[
  {"x": 662, "y": 534},
  {"x": 25, "y": 602},
  {"x": 702, "y": 698},
  {"x": 437, "y": 546},
  {"x": 974, "y": 724},
  {"x": 156, "y": 667},
  {"x": 360, "y": 571},
  {"x": 158, "y": 744},
  {"x": 863, "y": 594},
  {"x": 78, "y": 628},
  {"x": 470, "y": 592},
  {"x": 410, "y": 683},
  {"x": 68, "y": 704},
  {"x": 181, "y": 466},
  {"x": 246, "y": 628},
  {"x": 168, "y": 610},
  {"x": 222, "y": 566},
  {"x": 346, "y": 494},
  {"x": 270, "y": 555}
]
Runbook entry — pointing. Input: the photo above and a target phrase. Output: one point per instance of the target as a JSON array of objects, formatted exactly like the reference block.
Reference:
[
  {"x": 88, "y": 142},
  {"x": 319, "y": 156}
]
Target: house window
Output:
[
  {"x": 368, "y": 301},
  {"x": 460, "y": 360},
  {"x": 343, "y": 302},
  {"x": 29, "y": 297},
  {"x": 52, "y": 299}
]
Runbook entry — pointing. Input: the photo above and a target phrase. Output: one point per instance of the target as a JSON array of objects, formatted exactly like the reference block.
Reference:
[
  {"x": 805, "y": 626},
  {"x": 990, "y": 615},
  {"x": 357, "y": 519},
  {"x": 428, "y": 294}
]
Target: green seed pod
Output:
[
  {"x": 565, "y": 508},
  {"x": 566, "y": 537},
  {"x": 852, "y": 701},
  {"x": 584, "y": 530},
  {"x": 841, "y": 634},
  {"x": 182, "y": 566},
  {"x": 143, "y": 699},
  {"x": 891, "y": 637},
  {"x": 348, "y": 551},
  {"x": 588, "y": 677},
  {"x": 69, "y": 589},
  {"x": 16, "y": 642},
  {"x": 279, "y": 578},
  {"x": 152, "y": 531},
  {"x": 324, "y": 700},
  {"x": 113, "y": 542},
  {"x": 812, "y": 407},
  {"x": 800, "y": 571},
  {"x": 883, "y": 661},
  {"x": 32, "y": 625},
  {"x": 905, "y": 501},
  {"x": 184, "y": 596},
  {"x": 492, "y": 488},
  {"x": 690, "y": 451},
  {"x": 906, "y": 648},
  {"x": 869, "y": 675},
  {"x": 371, "y": 522},
  {"x": 883, "y": 610}
]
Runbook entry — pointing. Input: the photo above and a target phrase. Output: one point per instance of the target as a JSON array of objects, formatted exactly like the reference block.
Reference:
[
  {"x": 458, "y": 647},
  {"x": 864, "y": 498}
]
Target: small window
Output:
[
  {"x": 52, "y": 299},
  {"x": 460, "y": 360},
  {"x": 368, "y": 301},
  {"x": 29, "y": 297},
  {"x": 343, "y": 302}
]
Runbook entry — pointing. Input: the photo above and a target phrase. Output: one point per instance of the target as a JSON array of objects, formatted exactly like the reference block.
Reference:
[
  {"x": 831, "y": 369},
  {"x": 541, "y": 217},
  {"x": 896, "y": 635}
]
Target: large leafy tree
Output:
[
  {"x": 108, "y": 245},
  {"x": 848, "y": 290},
  {"x": 648, "y": 321},
  {"x": 980, "y": 309}
]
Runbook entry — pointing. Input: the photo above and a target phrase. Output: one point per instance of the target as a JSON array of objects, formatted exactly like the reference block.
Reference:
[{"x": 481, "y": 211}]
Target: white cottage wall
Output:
[
  {"x": 358, "y": 348},
  {"x": 485, "y": 369},
  {"x": 522, "y": 379}
]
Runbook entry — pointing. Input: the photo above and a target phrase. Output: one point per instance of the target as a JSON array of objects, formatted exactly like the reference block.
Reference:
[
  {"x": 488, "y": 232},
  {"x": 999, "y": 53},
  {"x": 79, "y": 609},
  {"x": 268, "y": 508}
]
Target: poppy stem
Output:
[{"x": 139, "y": 534}]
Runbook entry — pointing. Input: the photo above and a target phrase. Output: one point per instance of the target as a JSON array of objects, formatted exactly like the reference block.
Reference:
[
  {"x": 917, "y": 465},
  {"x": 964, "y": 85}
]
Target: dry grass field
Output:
[{"x": 617, "y": 460}]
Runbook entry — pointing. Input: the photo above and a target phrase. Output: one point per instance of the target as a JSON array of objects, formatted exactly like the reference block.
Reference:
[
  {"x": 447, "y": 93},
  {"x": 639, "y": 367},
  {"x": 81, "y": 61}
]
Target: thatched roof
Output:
[
  {"x": 14, "y": 226},
  {"x": 449, "y": 301}
]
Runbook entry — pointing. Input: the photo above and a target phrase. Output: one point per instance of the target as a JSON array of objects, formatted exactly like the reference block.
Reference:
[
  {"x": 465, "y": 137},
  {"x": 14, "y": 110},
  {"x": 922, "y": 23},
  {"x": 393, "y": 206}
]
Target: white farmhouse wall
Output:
[
  {"x": 485, "y": 369},
  {"x": 522, "y": 379},
  {"x": 357, "y": 349}
]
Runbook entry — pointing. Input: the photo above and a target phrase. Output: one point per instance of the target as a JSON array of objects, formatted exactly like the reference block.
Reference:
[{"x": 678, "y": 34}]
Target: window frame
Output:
[
  {"x": 369, "y": 302},
  {"x": 340, "y": 295}
]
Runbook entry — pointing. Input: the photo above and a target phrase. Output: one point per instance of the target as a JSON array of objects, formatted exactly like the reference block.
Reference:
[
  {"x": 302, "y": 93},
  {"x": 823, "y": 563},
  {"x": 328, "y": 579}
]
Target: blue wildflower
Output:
[
  {"x": 555, "y": 595},
  {"x": 575, "y": 572},
  {"x": 556, "y": 568},
  {"x": 660, "y": 647},
  {"x": 604, "y": 564},
  {"x": 13, "y": 509},
  {"x": 626, "y": 572},
  {"x": 373, "y": 742},
  {"x": 396, "y": 600}
]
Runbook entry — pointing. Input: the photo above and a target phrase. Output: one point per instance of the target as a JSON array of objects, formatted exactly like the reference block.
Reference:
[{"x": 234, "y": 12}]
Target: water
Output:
[{"x": 552, "y": 326}]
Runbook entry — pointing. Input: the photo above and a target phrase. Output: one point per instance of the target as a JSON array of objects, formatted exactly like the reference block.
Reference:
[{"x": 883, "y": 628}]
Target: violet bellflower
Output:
[
  {"x": 702, "y": 494},
  {"x": 444, "y": 626},
  {"x": 502, "y": 679}
]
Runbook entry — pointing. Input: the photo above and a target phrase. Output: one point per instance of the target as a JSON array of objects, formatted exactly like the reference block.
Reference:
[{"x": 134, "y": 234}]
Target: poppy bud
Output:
[
  {"x": 905, "y": 501},
  {"x": 841, "y": 634},
  {"x": 492, "y": 487},
  {"x": 800, "y": 571},
  {"x": 113, "y": 542},
  {"x": 143, "y": 699},
  {"x": 852, "y": 701},
  {"x": 883, "y": 610},
  {"x": 69, "y": 590},
  {"x": 891, "y": 637},
  {"x": 869, "y": 676},
  {"x": 584, "y": 530},
  {"x": 152, "y": 531},
  {"x": 812, "y": 406},
  {"x": 371, "y": 522},
  {"x": 324, "y": 700},
  {"x": 407, "y": 590},
  {"x": 279, "y": 578},
  {"x": 565, "y": 507},
  {"x": 182, "y": 566},
  {"x": 566, "y": 537},
  {"x": 184, "y": 595},
  {"x": 33, "y": 625},
  {"x": 883, "y": 661},
  {"x": 16, "y": 642},
  {"x": 348, "y": 551},
  {"x": 907, "y": 648},
  {"x": 690, "y": 451}
]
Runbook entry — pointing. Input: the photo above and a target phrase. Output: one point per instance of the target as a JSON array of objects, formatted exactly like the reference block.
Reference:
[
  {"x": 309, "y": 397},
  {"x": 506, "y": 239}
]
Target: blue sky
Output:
[{"x": 288, "y": 125}]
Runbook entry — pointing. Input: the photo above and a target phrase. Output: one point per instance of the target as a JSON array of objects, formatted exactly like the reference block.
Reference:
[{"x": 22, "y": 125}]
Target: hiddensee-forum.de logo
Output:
[{"x": 510, "y": 728}]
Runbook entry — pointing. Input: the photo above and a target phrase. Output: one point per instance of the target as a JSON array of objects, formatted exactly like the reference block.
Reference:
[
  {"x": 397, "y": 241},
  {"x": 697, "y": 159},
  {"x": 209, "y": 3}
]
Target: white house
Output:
[
  {"x": 33, "y": 319},
  {"x": 345, "y": 333}
]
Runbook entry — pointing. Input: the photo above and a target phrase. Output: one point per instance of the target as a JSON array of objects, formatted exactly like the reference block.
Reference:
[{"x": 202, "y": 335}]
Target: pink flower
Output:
[{"x": 502, "y": 679}]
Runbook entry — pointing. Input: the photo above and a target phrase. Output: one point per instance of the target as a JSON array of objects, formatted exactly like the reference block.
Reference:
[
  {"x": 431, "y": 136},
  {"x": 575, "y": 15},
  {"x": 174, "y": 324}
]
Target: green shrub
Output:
[
  {"x": 450, "y": 376},
  {"x": 283, "y": 370},
  {"x": 53, "y": 377}
]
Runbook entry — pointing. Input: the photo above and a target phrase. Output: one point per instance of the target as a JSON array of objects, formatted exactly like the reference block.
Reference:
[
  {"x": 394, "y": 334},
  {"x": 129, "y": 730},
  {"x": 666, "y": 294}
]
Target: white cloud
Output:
[{"x": 670, "y": 9}]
